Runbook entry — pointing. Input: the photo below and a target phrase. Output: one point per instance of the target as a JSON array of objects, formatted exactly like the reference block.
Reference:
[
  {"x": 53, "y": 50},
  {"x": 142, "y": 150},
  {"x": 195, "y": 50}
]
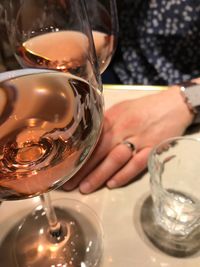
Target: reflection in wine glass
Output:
[
  {"x": 55, "y": 35},
  {"x": 104, "y": 24}
]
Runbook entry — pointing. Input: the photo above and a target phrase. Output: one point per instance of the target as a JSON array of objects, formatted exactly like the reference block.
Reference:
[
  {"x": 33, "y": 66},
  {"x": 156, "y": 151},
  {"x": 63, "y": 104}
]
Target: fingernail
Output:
[
  {"x": 85, "y": 187},
  {"x": 111, "y": 184}
]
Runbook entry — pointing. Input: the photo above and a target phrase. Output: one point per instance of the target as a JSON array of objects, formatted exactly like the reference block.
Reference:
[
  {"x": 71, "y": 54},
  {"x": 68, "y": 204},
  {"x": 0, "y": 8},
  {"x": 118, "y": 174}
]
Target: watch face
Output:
[
  {"x": 192, "y": 98},
  {"x": 192, "y": 93}
]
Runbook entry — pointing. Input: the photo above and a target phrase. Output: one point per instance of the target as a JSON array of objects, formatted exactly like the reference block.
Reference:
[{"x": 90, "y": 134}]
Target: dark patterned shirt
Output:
[{"x": 159, "y": 41}]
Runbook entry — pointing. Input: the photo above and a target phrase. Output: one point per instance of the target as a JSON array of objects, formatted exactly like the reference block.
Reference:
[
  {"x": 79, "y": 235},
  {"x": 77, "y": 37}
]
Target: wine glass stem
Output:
[{"x": 55, "y": 228}]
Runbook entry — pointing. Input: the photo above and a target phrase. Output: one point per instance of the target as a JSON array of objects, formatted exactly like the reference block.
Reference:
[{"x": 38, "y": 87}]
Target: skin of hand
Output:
[{"x": 145, "y": 122}]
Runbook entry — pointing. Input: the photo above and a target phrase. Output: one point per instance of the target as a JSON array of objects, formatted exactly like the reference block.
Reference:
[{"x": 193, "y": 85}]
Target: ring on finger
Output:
[{"x": 130, "y": 145}]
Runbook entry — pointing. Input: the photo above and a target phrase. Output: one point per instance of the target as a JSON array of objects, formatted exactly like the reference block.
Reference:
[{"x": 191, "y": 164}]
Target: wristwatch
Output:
[{"x": 191, "y": 94}]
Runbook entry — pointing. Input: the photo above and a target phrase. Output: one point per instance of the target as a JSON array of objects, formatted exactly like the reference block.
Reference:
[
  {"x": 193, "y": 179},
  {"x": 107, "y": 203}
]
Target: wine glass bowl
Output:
[
  {"x": 52, "y": 35},
  {"x": 41, "y": 36},
  {"x": 51, "y": 137}
]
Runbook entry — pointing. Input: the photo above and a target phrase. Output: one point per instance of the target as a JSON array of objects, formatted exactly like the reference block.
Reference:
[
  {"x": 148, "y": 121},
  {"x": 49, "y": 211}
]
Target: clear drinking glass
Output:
[
  {"x": 172, "y": 219},
  {"x": 65, "y": 111}
]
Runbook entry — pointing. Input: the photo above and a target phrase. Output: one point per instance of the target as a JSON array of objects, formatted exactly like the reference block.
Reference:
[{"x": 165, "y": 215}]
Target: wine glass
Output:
[
  {"x": 103, "y": 19},
  {"x": 41, "y": 147},
  {"x": 56, "y": 35}
]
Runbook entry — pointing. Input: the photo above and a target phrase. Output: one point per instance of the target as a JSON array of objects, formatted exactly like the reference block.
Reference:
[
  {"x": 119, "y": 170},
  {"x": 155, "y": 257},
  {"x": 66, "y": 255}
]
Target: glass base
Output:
[
  {"x": 174, "y": 245},
  {"x": 81, "y": 244}
]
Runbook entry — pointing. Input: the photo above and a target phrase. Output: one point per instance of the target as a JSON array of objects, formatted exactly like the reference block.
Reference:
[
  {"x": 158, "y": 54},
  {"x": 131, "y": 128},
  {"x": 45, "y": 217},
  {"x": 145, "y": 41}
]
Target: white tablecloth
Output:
[{"x": 125, "y": 244}]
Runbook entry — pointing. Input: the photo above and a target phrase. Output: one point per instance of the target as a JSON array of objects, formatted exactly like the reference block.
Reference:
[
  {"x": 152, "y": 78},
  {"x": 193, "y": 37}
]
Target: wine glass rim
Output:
[{"x": 21, "y": 72}]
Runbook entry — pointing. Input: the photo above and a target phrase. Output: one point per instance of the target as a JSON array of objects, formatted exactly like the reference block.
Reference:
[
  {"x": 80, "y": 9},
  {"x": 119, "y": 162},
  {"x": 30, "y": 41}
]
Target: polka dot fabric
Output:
[{"x": 160, "y": 42}]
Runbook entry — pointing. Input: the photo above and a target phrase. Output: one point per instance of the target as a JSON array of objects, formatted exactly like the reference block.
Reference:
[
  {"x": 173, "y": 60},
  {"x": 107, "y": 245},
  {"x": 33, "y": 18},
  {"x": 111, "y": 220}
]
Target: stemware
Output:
[
  {"x": 56, "y": 35},
  {"x": 41, "y": 147}
]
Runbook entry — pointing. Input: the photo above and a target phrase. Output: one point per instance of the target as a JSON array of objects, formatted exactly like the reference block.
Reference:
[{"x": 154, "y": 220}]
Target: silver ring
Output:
[{"x": 130, "y": 145}]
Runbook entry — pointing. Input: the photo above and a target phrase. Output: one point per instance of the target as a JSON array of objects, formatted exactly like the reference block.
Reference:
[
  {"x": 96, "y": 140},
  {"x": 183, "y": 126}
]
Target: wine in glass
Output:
[{"x": 54, "y": 35}]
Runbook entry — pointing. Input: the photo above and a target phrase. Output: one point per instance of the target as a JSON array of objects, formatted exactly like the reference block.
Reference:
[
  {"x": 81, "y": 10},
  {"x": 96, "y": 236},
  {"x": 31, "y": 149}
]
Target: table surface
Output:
[{"x": 125, "y": 244}]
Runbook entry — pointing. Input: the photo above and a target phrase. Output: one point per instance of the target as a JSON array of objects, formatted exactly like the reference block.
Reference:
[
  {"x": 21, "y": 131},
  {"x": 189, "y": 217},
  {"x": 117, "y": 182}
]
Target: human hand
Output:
[{"x": 144, "y": 122}]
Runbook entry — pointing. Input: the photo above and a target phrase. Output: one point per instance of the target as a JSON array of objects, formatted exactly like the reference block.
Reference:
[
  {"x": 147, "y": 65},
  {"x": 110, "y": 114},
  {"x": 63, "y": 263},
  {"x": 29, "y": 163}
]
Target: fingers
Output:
[
  {"x": 74, "y": 181},
  {"x": 116, "y": 159},
  {"x": 134, "y": 167},
  {"x": 116, "y": 162},
  {"x": 118, "y": 168},
  {"x": 102, "y": 149}
]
